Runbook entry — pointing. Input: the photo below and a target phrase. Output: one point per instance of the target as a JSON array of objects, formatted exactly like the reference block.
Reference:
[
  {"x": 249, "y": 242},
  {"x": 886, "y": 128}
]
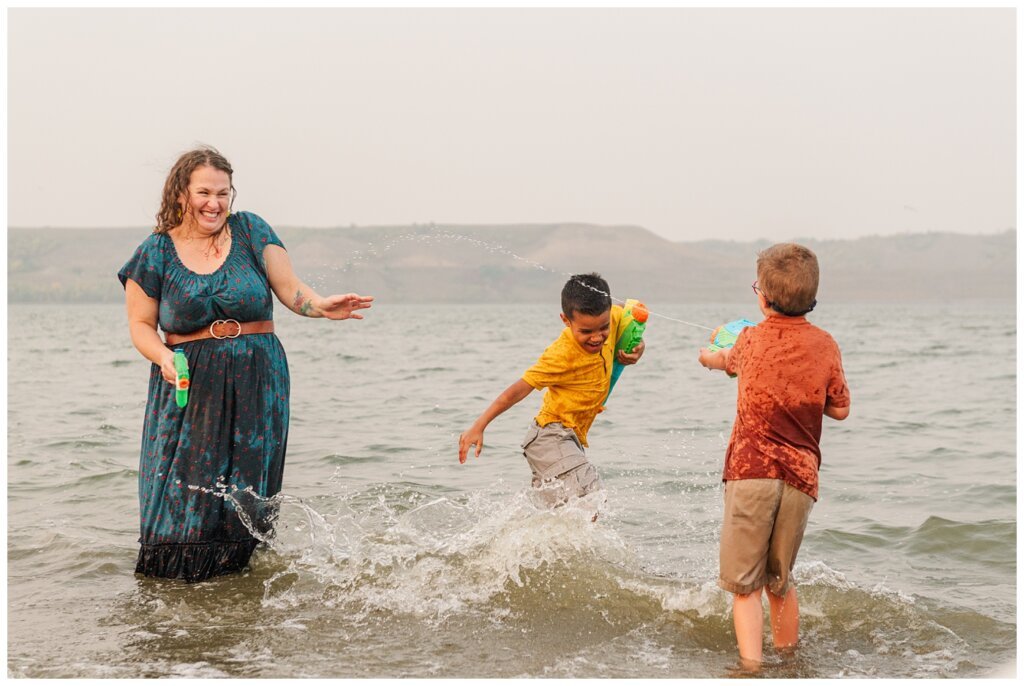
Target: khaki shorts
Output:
[
  {"x": 762, "y": 528},
  {"x": 559, "y": 465}
]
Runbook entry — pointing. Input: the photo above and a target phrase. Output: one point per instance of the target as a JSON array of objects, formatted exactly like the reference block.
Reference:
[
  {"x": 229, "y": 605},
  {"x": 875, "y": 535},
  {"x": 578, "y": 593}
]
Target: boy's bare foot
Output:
[
  {"x": 744, "y": 668},
  {"x": 752, "y": 666},
  {"x": 787, "y": 652}
]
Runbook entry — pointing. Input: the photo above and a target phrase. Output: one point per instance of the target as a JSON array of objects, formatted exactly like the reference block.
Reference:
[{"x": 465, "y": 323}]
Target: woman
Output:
[{"x": 205, "y": 276}]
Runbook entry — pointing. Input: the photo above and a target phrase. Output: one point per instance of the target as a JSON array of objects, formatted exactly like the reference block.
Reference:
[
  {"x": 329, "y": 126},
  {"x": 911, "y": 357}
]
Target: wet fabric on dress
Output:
[{"x": 233, "y": 433}]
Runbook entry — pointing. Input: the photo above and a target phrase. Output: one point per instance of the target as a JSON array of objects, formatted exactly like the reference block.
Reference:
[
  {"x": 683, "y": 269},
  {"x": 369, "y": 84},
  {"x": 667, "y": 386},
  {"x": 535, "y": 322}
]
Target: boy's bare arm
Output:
[
  {"x": 839, "y": 413},
  {"x": 714, "y": 360},
  {"x": 475, "y": 434}
]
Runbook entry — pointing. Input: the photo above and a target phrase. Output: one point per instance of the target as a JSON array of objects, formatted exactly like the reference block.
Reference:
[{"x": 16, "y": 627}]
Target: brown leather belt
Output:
[{"x": 222, "y": 328}]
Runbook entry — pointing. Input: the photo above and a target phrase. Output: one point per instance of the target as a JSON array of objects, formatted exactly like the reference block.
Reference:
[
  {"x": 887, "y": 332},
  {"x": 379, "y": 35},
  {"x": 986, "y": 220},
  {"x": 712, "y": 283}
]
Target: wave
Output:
[{"x": 991, "y": 542}]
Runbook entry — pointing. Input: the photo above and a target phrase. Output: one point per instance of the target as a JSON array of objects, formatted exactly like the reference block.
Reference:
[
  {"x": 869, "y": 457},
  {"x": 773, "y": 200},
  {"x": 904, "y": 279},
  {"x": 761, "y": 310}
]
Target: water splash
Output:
[
  {"x": 440, "y": 236},
  {"x": 435, "y": 559}
]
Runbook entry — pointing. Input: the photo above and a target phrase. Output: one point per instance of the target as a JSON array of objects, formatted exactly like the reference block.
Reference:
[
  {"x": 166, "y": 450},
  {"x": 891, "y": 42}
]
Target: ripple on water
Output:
[{"x": 338, "y": 459}]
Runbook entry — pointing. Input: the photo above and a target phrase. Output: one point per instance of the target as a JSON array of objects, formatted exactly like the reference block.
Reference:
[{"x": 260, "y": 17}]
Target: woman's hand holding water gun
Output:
[{"x": 167, "y": 369}]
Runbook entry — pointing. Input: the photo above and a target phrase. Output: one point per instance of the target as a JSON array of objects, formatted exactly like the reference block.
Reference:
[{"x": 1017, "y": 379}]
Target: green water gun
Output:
[
  {"x": 181, "y": 378},
  {"x": 631, "y": 332}
]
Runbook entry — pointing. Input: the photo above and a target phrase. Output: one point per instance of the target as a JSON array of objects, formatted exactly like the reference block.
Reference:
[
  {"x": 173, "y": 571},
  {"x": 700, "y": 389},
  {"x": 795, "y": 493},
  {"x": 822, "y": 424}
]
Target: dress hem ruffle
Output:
[{"x": 194, "y": 562}]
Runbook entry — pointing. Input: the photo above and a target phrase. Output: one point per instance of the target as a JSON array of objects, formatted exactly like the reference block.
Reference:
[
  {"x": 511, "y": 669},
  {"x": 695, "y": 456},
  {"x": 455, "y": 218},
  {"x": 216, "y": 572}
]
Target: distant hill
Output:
[{"x": 529, "y": 263}]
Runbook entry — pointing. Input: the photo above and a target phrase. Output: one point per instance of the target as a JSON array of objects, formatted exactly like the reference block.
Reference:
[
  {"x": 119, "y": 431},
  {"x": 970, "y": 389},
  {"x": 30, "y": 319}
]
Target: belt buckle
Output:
[{"x": 225, "y": 322}]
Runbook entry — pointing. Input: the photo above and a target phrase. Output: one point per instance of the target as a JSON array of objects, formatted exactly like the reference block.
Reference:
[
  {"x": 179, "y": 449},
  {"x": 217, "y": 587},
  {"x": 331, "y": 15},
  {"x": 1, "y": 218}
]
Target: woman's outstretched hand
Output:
[{"x": 344, "y": 306}]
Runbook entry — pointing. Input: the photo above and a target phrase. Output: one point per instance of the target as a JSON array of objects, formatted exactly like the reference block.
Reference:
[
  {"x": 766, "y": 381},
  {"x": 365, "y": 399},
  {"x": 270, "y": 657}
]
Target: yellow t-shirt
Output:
[{"x": 577, "y": 381}]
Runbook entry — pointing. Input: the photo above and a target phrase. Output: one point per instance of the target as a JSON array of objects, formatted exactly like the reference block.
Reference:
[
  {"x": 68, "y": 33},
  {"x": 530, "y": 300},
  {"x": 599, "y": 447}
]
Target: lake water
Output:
[{"x": 392, "y": 560}]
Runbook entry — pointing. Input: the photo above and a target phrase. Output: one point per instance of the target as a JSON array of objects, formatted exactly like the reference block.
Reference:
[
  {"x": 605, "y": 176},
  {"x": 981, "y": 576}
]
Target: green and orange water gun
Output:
[
  {"x": 182, "y": 381},
  {"x": 630, "y": 333}
]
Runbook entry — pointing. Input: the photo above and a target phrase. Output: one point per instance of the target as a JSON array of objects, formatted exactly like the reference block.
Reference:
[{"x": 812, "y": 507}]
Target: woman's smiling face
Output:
[{"x": 207, "y": 199}]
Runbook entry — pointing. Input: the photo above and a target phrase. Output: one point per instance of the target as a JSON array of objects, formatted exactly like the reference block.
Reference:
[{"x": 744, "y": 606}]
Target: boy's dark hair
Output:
[
  {"x": 788, "y": 275},
  {"x": 587, "y": 294}
]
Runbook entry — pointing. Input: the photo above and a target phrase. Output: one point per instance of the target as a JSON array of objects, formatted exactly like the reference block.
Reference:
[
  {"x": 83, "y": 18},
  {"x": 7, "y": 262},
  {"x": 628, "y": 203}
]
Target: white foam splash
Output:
[
  {"x": 433, "y": 560},
  {"x": 706, "y": 599}
]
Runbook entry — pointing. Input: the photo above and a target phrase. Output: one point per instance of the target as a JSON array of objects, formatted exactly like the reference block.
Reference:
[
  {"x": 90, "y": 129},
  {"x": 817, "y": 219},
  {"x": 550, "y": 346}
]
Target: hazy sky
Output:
[{"x": 732, "y": 123}]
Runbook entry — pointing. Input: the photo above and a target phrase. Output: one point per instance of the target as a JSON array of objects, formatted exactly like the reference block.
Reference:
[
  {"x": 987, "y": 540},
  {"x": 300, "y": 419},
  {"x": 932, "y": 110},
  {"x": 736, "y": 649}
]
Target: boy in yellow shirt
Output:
[{"x": 576, "y": 369}]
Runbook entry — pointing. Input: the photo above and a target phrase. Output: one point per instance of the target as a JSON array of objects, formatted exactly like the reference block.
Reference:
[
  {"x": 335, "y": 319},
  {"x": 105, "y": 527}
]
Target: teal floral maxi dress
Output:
[{"x": 232, "y": 434}]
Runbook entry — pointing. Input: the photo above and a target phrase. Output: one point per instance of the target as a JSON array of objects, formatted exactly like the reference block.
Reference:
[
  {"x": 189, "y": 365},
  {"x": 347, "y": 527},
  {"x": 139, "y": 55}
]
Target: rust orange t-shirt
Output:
[{"x": 788, "y": 369}]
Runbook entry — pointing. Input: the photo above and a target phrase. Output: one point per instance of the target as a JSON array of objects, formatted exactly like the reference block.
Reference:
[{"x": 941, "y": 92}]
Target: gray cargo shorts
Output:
[{"x": 559, "y": 465}]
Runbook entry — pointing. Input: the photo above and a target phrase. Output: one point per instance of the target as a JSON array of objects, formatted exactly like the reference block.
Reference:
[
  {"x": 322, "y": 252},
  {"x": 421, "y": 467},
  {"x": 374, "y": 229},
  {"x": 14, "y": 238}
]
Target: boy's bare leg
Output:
[
  {"x": 748, "y": 620},
  {"x": 785, "y": 614}
]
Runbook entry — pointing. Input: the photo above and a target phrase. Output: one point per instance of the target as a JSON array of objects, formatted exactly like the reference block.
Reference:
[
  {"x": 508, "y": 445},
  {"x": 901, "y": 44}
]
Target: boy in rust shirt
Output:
[{"x": 790, "y": 375}]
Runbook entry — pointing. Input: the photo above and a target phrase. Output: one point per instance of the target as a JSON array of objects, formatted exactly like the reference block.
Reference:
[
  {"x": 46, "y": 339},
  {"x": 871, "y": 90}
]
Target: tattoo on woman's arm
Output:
[{"x": 303, "y": 305}]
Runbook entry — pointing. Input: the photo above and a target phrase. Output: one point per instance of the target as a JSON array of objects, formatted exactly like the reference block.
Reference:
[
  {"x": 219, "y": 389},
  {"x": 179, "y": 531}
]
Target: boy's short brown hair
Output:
[{"x": 788, "y": 274}]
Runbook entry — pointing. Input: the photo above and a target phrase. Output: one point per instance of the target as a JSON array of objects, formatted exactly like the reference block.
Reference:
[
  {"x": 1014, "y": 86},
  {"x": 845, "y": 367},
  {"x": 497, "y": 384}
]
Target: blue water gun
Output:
[
  {"x": 725, "y": 335},
  {"x": 630, "y": 333}
]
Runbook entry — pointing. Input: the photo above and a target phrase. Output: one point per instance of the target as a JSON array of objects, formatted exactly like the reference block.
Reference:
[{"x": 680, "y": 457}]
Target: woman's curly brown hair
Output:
[{"x": 176, "y": 184}]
